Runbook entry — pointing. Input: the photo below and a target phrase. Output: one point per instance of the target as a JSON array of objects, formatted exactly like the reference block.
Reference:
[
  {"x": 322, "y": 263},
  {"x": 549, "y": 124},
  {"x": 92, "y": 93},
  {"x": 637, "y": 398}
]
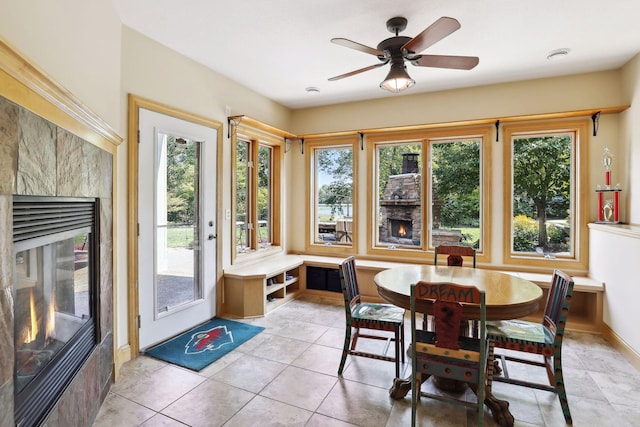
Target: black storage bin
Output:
[
  {"x": 333, "y": 280},
  {"x": 317, "y": 278}
]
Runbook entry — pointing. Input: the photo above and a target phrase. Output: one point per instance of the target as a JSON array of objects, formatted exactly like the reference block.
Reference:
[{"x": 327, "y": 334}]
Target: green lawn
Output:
[{"x": 179, "y": 237}]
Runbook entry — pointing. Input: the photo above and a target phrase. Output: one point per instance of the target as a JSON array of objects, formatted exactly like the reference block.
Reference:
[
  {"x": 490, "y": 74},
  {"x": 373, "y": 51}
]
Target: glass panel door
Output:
[{"x": 177, "y": 223}]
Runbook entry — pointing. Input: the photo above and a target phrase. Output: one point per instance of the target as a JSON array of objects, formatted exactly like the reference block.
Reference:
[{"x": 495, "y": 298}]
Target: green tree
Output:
[
  {"x": 264, "y": 181},
  {"x": 242, "y": 179},
  {"x": 456, "y": 181},
  {"x": 541, "y": 171},
  {"x": 390, "y": 162},
  {"x": 181, "y": 180}
]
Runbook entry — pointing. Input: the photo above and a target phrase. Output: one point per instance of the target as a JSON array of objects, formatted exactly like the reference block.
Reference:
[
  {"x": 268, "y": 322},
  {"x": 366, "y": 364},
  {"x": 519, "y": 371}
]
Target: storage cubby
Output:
[
  {"x": 323, "y": 279},
  {"x": 256, "y": 289}
]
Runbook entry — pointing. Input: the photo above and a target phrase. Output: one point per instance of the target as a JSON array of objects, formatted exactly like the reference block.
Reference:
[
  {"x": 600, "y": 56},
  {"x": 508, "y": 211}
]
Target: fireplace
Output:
[
  {"x": 401, "y": 229},
  {"x": 400, "y": 206},
  {"x": 56, "y": 275}
]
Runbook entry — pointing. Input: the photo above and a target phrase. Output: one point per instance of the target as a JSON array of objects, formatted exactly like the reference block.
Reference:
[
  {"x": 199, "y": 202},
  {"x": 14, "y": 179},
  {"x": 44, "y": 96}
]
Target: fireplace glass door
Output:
[
  {"x": 52, "y": 299},
  {"x": 55, "y": 293}
]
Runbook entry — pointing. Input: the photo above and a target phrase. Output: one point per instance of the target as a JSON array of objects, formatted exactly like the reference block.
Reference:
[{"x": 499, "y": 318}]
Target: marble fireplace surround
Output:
[{"x": 37, "y": 157}]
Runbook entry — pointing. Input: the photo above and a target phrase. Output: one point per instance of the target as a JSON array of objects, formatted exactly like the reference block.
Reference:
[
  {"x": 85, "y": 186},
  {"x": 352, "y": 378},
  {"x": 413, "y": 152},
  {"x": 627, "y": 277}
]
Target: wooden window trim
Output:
[
  {"x": 580, "y": 208},
  {"x": 310, "y": 148},
  {"x": 257, "y": 137},
  {"x": 425, "y": 137}
]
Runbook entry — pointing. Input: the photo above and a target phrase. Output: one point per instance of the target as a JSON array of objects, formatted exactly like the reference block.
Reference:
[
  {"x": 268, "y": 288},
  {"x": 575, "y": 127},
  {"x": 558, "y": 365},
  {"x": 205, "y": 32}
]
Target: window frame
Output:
[
  {"x": 311, "y": 146},
  {"x": 426, "y": 138},
  {"x": 256, "y": 138},
  {"x": 580, "y": 198}
]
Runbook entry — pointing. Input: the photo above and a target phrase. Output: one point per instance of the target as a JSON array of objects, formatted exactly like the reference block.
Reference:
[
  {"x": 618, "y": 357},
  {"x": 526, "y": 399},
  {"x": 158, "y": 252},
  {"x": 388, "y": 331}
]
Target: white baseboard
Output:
[{"x": 621, "y": 345}]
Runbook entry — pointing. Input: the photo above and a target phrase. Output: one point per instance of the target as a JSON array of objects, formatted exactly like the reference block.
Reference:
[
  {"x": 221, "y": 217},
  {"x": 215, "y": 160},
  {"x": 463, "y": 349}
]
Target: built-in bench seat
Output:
[{"x": 586, "y": 309}]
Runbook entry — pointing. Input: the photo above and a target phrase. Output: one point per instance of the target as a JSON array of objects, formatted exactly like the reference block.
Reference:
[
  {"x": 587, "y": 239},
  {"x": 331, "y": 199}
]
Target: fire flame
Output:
[
  {"x": 402, "y": 231},
  {"x": 33, "y": 332},
  {"x": 51, "y": 319}
]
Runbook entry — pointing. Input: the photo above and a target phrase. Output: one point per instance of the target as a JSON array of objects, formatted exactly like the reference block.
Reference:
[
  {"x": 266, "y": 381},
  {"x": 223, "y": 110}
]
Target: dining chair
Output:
[
  {"x": 445, "y": 352},
  {"x": 455, "y": 252},
  {"x": 543, "y": 338},
  {"x": 386, "y": 318}
]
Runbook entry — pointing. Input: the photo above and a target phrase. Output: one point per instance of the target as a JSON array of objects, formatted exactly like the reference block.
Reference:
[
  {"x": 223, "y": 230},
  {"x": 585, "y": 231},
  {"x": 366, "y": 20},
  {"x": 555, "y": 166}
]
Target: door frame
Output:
[{"x": 135, "y": 103}]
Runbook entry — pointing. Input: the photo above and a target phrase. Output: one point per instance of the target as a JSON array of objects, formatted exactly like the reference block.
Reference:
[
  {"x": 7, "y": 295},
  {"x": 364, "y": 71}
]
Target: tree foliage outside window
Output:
[
  {"x": 264, "y": 194},
  {"x": 390, "y": 162},
  {"x": 542, "y": 192},
  {"x": 455, "y": 195},
  {"x": 181, "y": 180},
  {"x": 255, "y": 197},
  {"x": 242, "y": 194}
]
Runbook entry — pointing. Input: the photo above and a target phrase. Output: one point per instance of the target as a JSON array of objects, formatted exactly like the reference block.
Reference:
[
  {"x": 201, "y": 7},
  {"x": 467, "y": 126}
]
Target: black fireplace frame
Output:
[{"x": 35, "y": 217}]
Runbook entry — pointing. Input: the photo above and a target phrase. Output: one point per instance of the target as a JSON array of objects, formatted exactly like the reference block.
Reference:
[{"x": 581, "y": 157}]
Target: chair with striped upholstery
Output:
[
  {"x": 385, "y": 318},
  {"x": 543, "y": 338}
]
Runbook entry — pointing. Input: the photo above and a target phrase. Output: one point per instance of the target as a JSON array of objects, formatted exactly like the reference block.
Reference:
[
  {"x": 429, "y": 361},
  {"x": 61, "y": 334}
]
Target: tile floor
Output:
[{"x": 287, "y": 376}]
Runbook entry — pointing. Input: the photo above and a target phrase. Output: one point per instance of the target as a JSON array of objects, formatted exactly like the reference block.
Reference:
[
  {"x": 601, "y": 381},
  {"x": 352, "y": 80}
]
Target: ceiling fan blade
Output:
[
  {"x": 446, "y": 61},
  {"x": 357, "y": 46},
  {"x": 432, "y": 34},
  {"x": 353, "y": 73}
]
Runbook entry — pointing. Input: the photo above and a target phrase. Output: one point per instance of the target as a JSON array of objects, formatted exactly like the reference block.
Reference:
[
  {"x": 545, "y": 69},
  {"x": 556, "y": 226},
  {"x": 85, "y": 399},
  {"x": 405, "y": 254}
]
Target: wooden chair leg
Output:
[
  {"x": 396, "y": 347},
  {"x": 560, "y": 389},
  {"x": 345, "y": 349}
]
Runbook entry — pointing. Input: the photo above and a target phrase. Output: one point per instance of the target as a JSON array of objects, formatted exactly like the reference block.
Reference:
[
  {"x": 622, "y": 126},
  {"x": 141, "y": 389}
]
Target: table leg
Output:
[
  {"x": 499, "y": 408},
  {"x": 400, "y": 388}
]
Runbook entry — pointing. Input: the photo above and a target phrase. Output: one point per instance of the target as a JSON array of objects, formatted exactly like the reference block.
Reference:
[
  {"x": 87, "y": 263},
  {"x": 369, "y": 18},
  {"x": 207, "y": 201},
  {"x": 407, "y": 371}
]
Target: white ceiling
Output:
[{"x": 280, "y": 47}]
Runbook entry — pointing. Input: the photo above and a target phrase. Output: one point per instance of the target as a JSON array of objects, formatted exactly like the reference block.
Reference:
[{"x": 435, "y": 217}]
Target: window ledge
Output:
[{"x": 628, "y": 230}]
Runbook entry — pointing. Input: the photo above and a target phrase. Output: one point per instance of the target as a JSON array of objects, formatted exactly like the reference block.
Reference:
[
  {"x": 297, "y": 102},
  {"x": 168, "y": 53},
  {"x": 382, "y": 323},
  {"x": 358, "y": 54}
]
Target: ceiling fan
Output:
[{"x": 398, "y": 49}]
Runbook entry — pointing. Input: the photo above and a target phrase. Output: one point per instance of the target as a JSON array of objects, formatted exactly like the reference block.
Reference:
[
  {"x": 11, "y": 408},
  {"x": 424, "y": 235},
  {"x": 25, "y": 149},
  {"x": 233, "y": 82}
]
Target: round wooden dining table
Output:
[{"x": 507, "y": 297}]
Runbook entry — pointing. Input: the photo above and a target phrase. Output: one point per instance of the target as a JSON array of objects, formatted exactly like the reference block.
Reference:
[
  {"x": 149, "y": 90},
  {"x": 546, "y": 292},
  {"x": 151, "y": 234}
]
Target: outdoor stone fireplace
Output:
[
  {"x": 38, "y": 158},
  {"x": 400, "y": 207}
]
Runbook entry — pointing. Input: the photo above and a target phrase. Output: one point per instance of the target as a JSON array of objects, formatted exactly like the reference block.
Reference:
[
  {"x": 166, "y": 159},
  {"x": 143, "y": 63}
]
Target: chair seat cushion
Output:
[
  {"x": 378, "y": 312},
  {"x": 519, "y": 331}
]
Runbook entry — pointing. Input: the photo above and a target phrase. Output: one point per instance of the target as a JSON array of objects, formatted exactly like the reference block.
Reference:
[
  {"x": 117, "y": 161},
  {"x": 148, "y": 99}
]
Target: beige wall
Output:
[
  {"x": 77, "y": 43},
  {"x": 614, "y": 250},
  {"x": 494, "y": 101}
]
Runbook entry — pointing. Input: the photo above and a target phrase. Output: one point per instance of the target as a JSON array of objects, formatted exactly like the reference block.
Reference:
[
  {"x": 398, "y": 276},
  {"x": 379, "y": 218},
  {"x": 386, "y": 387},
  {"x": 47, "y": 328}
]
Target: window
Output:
[
  {"x": 545, "y": 216},
  {"x": 399, "y": 202},
  {"x": 456, "y": 192},
  {"x": 332, "y": 202},
  {"x": 430, "y": 188},
  {"x": 256, "y": 191}
]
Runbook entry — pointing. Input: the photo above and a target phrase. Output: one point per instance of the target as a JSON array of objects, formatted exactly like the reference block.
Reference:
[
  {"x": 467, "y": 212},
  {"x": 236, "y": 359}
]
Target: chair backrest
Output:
[
  {"x": 455, "y": 252},
  {"x": 447, "y": 299},
  {"x": 556, "y": 309},
  {"x": 349, "y": 283}
]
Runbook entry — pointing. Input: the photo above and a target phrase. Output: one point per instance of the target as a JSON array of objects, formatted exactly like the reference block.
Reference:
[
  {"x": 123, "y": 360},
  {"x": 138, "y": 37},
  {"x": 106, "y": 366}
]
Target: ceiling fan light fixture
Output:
[{"x": 398, "y": 79}]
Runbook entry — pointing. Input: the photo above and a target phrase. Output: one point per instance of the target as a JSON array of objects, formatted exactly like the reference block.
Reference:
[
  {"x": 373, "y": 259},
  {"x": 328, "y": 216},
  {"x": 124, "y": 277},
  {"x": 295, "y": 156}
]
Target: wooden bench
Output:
[
  {"x": 247, "y": 291},
  {"x": 587, "y": 304},
  {"x": 586, "y": 309}
]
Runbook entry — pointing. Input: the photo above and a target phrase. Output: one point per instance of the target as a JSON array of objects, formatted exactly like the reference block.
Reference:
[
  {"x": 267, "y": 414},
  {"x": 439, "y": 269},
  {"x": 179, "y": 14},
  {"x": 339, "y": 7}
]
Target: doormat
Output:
[{"x": 201, "y": 346}]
